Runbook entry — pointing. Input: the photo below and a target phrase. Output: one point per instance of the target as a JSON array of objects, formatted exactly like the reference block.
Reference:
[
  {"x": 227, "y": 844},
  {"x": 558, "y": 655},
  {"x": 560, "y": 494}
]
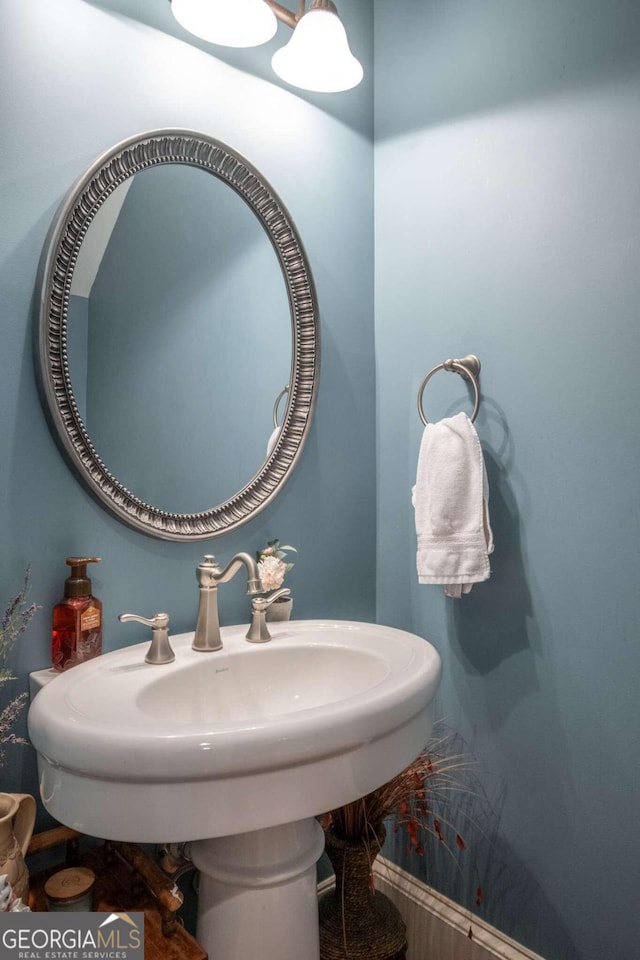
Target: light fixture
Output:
[
  {"x": 230, "y": 23},
  {"x": 317, "y": 57}
]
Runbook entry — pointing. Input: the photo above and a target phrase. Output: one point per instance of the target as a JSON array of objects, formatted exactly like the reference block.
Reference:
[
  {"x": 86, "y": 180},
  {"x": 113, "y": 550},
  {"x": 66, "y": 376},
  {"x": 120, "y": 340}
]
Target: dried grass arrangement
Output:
[{"x": 418, "y": 799}]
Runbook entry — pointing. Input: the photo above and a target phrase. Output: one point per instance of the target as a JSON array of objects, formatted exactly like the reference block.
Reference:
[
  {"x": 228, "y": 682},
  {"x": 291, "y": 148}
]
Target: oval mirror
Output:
[{"x": 178, "y": 341}]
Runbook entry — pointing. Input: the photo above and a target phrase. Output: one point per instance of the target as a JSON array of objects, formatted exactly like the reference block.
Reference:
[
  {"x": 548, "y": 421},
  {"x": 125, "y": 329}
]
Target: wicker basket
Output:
[{"x": 356, "y": 921}]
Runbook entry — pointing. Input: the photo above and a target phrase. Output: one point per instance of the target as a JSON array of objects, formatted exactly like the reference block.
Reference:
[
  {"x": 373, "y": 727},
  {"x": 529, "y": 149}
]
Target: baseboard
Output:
[{"x": 438, "y": 928}]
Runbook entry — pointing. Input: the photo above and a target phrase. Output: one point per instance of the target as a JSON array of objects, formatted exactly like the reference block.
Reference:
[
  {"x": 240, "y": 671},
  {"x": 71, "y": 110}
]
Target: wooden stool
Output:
[{"x": 126, "y": 880}]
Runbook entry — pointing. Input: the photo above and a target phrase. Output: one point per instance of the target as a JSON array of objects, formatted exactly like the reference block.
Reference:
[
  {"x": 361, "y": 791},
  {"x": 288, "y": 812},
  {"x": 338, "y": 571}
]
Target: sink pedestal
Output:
[{"x": 258, "y": 894}]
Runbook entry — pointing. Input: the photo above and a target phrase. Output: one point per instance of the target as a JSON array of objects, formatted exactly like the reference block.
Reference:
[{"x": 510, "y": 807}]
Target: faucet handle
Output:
[
  {"x": 258, "y": 631},
  {"x": 261, "y": 603},
  {"x": 208, "y": 571},
  {"x": 160, "y": 650}
]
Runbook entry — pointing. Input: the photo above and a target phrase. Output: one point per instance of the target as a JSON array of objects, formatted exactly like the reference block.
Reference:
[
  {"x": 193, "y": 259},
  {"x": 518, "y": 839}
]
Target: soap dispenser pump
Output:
[{"x": 77, "y": 619}]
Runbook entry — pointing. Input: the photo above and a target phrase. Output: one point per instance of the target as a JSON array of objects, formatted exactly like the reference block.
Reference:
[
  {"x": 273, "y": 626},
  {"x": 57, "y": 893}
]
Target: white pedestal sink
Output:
[{"x": 238, "y": 750}]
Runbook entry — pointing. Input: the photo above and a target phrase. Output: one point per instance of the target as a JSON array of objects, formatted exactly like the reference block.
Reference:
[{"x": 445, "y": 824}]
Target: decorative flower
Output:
[
  {"x": 271, "y": 565},
  {"x": 271, "y": 572}
]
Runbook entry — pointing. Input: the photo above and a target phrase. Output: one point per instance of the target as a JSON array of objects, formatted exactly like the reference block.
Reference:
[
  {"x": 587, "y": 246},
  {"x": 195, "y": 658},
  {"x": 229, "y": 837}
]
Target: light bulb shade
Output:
[
  {"x": 317, "y": 56},
  {"x": 230, "y": 23}
]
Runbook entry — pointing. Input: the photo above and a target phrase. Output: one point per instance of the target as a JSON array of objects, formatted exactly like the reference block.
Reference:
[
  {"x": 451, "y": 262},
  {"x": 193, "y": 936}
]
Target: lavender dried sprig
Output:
[
  {"x": 15, "y": 620},
  {"x": 8, "y": 718}
]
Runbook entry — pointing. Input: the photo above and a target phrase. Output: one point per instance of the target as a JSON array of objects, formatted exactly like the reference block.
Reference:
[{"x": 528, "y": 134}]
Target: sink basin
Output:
[{"x": 222, "y": 743}]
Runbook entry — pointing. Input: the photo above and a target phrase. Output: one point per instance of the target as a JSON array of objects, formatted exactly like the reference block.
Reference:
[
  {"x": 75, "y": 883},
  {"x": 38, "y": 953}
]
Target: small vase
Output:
[
  {"x": 356, "y": 921},
  {"x": 280, "y": 609},
  {"x": 17, "y": 819}
]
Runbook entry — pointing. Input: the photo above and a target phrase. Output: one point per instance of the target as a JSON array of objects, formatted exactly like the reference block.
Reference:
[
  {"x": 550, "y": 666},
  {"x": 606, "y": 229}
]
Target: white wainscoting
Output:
[{"x": 438, "y": 928}]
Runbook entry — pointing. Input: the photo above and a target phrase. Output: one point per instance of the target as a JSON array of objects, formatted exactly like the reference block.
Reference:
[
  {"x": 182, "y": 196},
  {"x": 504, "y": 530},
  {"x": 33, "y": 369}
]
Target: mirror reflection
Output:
[{"x": 179, "y": 337}]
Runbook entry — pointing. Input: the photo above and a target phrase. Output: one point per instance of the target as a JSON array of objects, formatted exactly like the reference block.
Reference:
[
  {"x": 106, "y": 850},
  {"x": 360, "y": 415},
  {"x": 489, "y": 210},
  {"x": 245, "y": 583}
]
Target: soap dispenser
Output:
[{"x": 77, "y": 619}]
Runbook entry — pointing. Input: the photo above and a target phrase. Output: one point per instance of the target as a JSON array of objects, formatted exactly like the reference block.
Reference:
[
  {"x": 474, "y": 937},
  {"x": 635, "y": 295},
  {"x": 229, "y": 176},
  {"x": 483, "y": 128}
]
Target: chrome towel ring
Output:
[
  {"x": 283, "y": 393},
  {"x": 468, "y": 367}
]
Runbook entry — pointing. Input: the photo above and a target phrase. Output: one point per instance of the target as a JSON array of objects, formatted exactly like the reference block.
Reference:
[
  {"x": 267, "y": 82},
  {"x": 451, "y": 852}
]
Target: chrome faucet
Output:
[
  {"x": 258, "y": 629},
  {"x": 160, "y": 650},
  {"x": 209, "y": 574}
]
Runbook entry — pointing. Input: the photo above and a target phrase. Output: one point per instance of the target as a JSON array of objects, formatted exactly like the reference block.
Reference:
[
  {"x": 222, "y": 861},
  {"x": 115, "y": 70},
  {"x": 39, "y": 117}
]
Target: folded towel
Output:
[{"x": 451, "y": 500}]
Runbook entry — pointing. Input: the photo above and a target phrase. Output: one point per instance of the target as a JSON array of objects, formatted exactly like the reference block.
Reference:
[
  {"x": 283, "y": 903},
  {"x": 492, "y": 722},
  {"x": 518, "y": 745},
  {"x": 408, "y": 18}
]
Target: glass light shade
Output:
[
  {"x": 318, "y": 56},
  {"x": 230, "y": 23}
]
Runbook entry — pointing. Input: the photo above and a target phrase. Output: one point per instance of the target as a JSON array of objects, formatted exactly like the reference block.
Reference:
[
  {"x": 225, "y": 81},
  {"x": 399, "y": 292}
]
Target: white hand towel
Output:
[{"x": 451, "y": 500}]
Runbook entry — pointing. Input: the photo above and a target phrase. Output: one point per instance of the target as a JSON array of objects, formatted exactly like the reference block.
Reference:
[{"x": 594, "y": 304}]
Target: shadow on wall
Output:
[
  {"x": 494, "y": 621},
  {"x": 494, "y": 631}
]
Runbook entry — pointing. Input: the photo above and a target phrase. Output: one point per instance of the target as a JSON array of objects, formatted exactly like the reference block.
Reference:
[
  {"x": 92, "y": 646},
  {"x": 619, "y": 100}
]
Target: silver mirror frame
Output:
[{"x": 54, "y": 283}]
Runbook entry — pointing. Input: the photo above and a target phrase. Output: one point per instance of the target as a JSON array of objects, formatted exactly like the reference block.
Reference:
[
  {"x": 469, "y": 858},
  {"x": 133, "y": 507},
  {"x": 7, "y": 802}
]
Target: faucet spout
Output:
[
  {"x": 209, "y": 574},
  {"x": 254, "y": 584}
]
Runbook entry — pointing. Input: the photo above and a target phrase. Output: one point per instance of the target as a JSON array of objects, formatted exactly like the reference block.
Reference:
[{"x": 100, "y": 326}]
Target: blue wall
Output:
[
  {"x": 507, "y": 225},
  {"x": 76, "y": 78}
]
